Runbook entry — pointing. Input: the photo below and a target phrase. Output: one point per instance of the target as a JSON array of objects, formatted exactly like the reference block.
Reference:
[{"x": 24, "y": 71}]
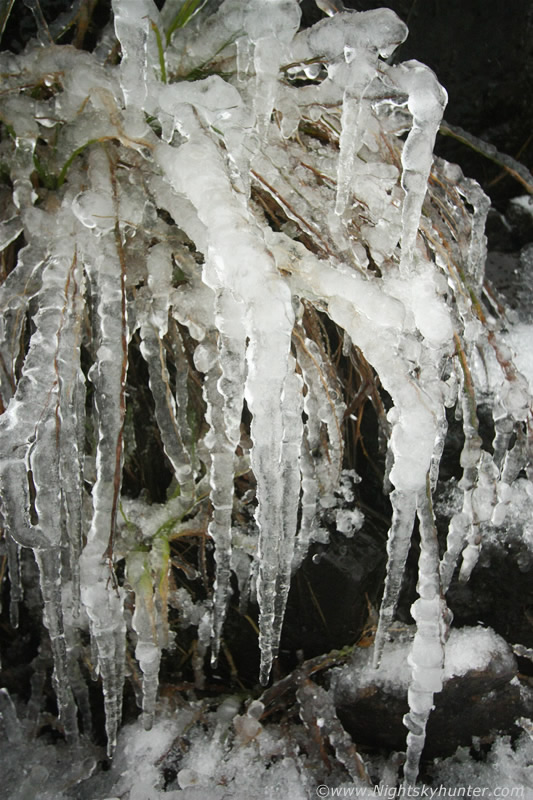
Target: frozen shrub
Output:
[{"x": 202, "y": 206}]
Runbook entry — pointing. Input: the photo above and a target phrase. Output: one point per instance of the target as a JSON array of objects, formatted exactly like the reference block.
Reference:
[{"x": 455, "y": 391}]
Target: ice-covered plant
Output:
[{"x": 207, "y": 198}]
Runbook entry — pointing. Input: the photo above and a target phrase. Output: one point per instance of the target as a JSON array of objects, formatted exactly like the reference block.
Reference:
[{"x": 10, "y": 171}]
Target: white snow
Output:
[{"x": 472, "y": 649}]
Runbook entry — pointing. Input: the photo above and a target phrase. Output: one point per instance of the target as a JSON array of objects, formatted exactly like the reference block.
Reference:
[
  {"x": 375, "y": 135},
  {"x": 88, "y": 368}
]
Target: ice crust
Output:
[{"x": 218, "y": 290}]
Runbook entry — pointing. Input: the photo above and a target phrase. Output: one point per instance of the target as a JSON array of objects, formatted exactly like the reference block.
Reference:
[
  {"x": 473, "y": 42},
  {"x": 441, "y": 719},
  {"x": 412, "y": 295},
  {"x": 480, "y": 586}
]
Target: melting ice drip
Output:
[{"x": 152, "y": 170}]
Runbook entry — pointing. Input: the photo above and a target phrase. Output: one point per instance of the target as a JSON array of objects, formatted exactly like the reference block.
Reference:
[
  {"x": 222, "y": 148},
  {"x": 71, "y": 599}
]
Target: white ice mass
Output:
[{"x": 216, "y": 200}]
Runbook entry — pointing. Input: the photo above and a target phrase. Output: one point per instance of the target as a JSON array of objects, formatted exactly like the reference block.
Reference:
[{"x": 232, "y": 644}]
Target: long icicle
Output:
[
  {"x": 102, "y": 598},
  {"x": 427, "y": 653}
]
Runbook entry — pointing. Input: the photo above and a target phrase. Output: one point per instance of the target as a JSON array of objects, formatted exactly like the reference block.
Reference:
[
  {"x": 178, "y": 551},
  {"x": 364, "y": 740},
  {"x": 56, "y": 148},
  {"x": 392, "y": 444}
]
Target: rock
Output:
[{"x": 482, "y": 694}]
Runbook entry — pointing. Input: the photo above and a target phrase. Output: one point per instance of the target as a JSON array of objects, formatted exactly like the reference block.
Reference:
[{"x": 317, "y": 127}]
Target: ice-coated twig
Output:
[
  {"x": 317, "y": 712},
  {"x": 515, "y": 168}
]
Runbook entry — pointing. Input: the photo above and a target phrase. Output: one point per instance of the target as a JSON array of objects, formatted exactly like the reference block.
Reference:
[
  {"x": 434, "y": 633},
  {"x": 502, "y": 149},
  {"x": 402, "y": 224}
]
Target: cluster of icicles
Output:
[{"x": 121, "y": 175}]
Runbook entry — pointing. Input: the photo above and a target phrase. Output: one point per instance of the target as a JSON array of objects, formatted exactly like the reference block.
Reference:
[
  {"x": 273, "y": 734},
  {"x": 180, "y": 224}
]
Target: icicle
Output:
[
  {"x": 440, "y": 441},
  {"x": 43, "y": 34},
  {"x": 16, "y": 593},
  {"x": 351, "y": 43},
  {"x": 101, "y": 596},
  {"x": 243, "y": 265},
  {"x": 143, "y": 578},
  {"x": 31, "y": 451},
  {"x": 515, "y": 458},
  {"x": 479, "y": 503},
  {"x": 330, "y": 7},
  {"x": 398, "y": 543},
  {"x": 23, "y": 166},
  {"x": 372, "y": 34},
  {"x": 455, "y": 543},
  {"x": 477, "y": 249},
  {"x": 230, "y": 385},
  {"x": 511, "y": 404},
  {"x": 138, "y": 44},
  {"x": 222, "y": 469},
  {"x": 310, "y": 493},
  {"x": 426, "y": 102},
  {"x": 181, "y": 393},
  {"x": 71, "y": 420},
  {"x": 154, "y": 325},
  {"x": 418, "y": 405},
  {"x": 290, "y": 474},
  {"x": 16, "y": 293},
  {"x": 9, "y": 717},
  {"x": 270, "y": 28},
  {"x": 49, "y": 563},
  {"x": 427, "y": 653},
  {"x": 323, "y": 404},
  {"x": 320, "y": 473}
]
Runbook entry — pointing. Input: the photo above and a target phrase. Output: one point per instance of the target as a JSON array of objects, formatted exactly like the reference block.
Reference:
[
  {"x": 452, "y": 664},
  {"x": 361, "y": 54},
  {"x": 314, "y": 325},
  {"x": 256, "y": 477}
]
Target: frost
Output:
[{"x": 226, "y": 247}]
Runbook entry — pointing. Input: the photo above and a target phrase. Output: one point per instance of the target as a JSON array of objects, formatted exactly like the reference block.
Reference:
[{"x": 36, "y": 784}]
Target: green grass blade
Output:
[
  {"x": 161, "y": 52},
  {"x": 187, "y": 11}
]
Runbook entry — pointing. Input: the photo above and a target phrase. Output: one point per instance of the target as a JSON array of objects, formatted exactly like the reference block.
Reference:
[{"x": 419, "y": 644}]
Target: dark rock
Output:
[{"x": 478, "y": 702}]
